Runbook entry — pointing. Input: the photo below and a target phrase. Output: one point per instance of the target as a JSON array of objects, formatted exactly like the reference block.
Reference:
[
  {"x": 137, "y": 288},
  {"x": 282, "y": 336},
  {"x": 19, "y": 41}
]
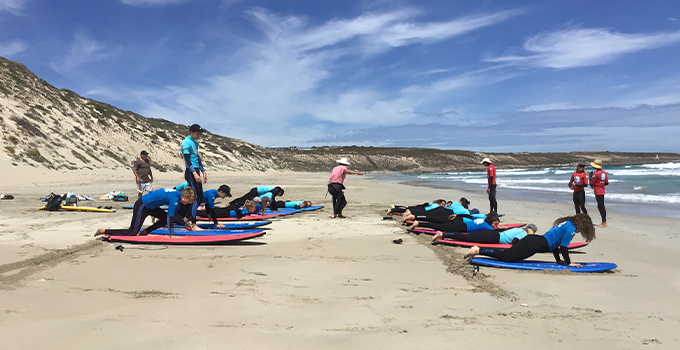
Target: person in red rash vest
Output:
[
  {"x": 491, "y": 178},
  {"x": 598, "y": 180},
  {"x": 578, "y": 183}
]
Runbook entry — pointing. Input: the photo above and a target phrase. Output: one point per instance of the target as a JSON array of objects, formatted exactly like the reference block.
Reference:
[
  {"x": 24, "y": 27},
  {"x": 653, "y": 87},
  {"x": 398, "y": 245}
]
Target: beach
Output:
[{"x": 313, "y": 282}]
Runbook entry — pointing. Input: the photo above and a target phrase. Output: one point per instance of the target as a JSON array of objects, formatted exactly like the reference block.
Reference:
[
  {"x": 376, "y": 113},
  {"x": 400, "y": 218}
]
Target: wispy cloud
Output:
[
  {"x": 285, "y": 80},
  {"x": 83, "y": 49},
  {"x": 152, "y": 2},
  {"x": 672, "y": 19},
  {"x": 12, "y": 48},
  {"x": 14, "y": 7},
  {"x": 548, "y": 107},
  {"x": 584, "y": 47}
]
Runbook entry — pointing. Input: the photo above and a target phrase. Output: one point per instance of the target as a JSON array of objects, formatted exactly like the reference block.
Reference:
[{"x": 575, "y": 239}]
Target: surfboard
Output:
[
  {"x": 233, "y": 225},
  {"x": 252, "y": 217},
  {"x": 84, "y": 209},
  {"x": 312, "y": 208},
  {"x": 544, "y": 265},
  {"x": 183, "y": 240},
  {"x": 572, "y": 245},
  {"x": 165, "y": 207},
  {"x": 430, "y": 231},
  {"x": 208, "y": 232}
]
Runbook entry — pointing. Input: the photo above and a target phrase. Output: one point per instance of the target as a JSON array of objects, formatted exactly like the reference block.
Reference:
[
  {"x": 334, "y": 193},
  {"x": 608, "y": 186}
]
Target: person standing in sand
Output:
[
  {"x": 194, "y": 168},
  {"x": 143, "y": 175},
  {"x": 491, "y": 179},
  {"x": 335, "y": 186},
  {"x": 598, "y": 180},
  {"x": 578, "y": 183}
]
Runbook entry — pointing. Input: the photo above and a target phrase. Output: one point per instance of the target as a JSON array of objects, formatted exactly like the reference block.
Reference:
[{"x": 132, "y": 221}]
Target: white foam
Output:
[{"x": 662, "y": 166}]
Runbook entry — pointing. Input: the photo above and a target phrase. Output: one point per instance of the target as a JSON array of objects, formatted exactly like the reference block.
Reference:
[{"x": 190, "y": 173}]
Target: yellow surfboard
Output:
[{"x": 85, "y": 209}]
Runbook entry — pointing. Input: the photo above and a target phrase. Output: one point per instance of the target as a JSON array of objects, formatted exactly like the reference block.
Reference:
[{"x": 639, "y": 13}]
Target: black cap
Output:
[
  {"x": 144, "y": 153},
  {"x": 581, "y": 163},
  {"x": 225, "y": 189},
  {"x": 196, "y": 128}
]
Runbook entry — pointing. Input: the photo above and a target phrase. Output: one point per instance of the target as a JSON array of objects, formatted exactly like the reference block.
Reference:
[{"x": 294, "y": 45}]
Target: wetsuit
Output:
[
  {"x": 597, "y": 181},
  {"x": 289, "y": 204},
  {"x": 400, "y": 209},
  {"x": 209, "y": 196},
  {"x": 150, "y": 205},
  {"x": 488, "y": 236},
  {"x": 260, "y": 191},
  {"x": 193, "y": 164},
  {"x": 579, "y": 181},
  {"x": 557, "y": 240},
  {"x": 491, "y": 178},
  {"x": 458, "y": 225},
  {"x": 458, "y": 208},
  {"x": 227, "y": 212}
]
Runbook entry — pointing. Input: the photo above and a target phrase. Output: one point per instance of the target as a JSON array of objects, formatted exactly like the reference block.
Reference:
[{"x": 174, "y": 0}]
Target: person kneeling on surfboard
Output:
[
  {"x": 150, "y": 205},
  {"x": 510, "y": 236},
  {"x": 556, "y": 240}
]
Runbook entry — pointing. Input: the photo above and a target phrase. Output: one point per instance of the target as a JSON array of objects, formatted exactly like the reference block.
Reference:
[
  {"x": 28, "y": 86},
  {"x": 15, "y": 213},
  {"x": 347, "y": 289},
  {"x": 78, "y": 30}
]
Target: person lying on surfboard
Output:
[
  {"x": 232, "y": 211},
  {"x": 509, "y": 236},
  {"x": 293, "y": 204},
  {"x": 459, "y": 208},
  {"x": 261, "y": 191},
  {"x": 455, "y": 223},
  {"x": 556, "y": 240},
  {"x": 150, "y": 205},
  {"x": 401, "y": 209}
]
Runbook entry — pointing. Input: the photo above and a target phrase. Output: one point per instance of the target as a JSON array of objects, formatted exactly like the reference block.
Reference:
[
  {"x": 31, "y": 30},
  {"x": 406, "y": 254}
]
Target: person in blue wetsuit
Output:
[
  {"x": 405, "y": 210},
  {"x": 209, "y": 197},
  {"x": 440, "y": 214},
  {"x": 556, "y": 240},
  {"x": 249, "y": 208},
  {"x": 194, "y": 167},
  {"x": 510, "y": 236},
  {"x": 457, "y": 224},
  {"x": 293, "y": 204},
  {"x": 150, "y": 205},
  {"x": 270, "y": 192}
]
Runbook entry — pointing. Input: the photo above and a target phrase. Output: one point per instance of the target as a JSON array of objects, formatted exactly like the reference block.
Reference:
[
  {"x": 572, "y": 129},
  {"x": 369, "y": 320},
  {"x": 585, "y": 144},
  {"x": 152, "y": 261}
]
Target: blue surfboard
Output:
[
  {"x": 218, "y": 232},
  {"x": 232, "y": 225},
  {"x": 312, "y": 208},
  {"x": 544, "y": 265}
]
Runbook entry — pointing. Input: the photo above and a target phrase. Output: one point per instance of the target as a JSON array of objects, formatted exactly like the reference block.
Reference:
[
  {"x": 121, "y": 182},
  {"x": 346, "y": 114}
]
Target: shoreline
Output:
[{"x": 402, "y": 296}]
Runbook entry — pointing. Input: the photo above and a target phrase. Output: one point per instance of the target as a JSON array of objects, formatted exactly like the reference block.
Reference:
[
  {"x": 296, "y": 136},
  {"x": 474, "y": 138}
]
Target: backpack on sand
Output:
[{"x": 53, "y": 202}]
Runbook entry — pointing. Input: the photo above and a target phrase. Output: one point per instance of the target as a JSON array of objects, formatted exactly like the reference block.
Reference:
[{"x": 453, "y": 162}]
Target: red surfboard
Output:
[
  {"x": 573, "y": 245},
  {"x": 184, "y": 240},
  {"x": 248, "y": 217}
]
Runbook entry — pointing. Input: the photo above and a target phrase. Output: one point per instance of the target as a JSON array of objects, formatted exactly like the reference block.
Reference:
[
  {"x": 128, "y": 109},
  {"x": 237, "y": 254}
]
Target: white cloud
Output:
[
  {"x": 83, "y": 50},
  {"x": 14, "y": 7},
  {"x": 12, "y": 48},
  {"x": 548, "y": 107},
  {"x": 584, "y": 47},
  {"x": 152, "y": 2},
  {"x": 281, "y": 82},
  {"x": 672, "y": 19}
]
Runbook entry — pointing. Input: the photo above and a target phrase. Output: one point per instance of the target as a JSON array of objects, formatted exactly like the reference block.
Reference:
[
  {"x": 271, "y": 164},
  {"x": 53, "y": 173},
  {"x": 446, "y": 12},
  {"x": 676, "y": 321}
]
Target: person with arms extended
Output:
[
  {"x": 491, "y": 179},
  {"x": 143, "y": 175},
  {"x": 150, "y": 205},
  {"x": 335, "y": 186},
  {"x": 194, "y": 167},
  {"x": 598, "y": 180},
  {"x": 556, "y": 240},
  {"x": 578, "y": 183}
]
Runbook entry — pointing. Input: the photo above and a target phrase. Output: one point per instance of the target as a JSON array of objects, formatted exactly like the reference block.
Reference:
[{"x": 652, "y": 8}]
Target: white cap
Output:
[
  {"x": 486, "y": 160},
  {"x": 257, "y": 199},
  {"x": 343, "y": 161}
]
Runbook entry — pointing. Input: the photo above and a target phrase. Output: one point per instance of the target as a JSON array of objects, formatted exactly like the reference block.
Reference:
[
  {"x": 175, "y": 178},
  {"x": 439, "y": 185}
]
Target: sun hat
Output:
[
  {"x": 532, "y": 227},
  {"x": 486, "y": 160},
  {"x": 342, "y": 161},
  {"x": 597, "y": 164}
]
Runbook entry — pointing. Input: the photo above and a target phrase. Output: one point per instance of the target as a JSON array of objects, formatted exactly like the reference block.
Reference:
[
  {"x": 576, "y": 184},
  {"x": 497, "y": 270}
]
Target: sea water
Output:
[{"x": 647, "y": 189}]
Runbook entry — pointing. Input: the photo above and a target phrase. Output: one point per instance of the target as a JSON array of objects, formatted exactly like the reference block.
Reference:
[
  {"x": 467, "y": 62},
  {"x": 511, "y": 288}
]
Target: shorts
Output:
[{"x": 144, "y": 186}]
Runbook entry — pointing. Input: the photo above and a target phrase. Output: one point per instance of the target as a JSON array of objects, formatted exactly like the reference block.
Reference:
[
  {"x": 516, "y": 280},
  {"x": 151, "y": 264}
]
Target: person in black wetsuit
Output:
[
  {"x": 194, "y": 168},
  {"x": 402, "y": 209},
  {"x": 231, "y": 211}
]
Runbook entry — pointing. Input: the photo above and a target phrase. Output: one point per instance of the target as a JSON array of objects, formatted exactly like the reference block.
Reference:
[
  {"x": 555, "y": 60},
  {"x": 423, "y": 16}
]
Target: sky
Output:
[{"x": 494, "y": 75}]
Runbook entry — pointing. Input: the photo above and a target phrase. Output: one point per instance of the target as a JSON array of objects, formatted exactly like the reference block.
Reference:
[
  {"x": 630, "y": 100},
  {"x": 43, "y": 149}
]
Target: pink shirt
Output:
[{"x": 338, "y": 174}]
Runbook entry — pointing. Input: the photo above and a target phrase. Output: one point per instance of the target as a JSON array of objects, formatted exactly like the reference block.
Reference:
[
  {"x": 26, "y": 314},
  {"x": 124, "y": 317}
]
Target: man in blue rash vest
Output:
[
  {"x": 150, "y": 205},
  {"x": 556, "y": 240},
  {"x": 270, "y": 192},
  {"x": 209, "y": 196},
  {"x": 194, "y": 167}
]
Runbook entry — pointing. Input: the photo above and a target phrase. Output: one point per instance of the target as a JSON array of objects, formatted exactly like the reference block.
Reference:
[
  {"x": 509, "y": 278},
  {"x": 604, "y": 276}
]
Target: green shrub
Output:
[
  {"x": 81, "y": 157},
  {"x": 35, "y": 155},
  {"x": 13, "y": 139},
  {"x": 115, "y": 157},
  {"x": 10, "y": 149}
]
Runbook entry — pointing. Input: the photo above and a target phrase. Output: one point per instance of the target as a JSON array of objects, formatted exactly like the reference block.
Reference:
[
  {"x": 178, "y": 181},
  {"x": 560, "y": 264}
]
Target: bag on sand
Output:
[
  {"x": 53, "y": 202},
  {"x": 121, "y": 197}
]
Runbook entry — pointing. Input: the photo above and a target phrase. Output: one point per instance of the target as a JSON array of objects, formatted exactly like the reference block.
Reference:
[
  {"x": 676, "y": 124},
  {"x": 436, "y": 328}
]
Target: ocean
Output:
[{"x": 647, "y": 189}]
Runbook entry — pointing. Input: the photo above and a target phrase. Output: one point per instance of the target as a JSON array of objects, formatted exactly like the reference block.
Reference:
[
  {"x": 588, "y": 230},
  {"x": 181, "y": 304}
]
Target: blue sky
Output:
[{"x": 504, "y": 76}]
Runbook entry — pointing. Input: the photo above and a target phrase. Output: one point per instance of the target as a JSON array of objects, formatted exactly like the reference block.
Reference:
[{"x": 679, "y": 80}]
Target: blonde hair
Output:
[
  {"x": 529, "y": 231},
  {"x": 249, "y": 204},
  {"x": 189, "y": 193}
]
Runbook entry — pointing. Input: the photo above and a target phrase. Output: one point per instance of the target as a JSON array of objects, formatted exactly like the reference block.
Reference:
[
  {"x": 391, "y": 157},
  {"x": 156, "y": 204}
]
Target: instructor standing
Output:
[
  {"x": 578, "y": 183},
  {"x": 491, "y": 180},
  {"x": 194, "y": 167},
  {"x": 335, "y": 186},
  {"x": 598, "y": 180},
  {"x": 143, "y": 175}
]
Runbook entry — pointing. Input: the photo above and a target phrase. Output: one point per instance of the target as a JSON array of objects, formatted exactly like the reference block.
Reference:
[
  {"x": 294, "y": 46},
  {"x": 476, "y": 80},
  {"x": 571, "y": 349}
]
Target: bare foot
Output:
[
  {"x": 604, "y": 224},
  {"x": 100, "y": 231},
  {"x": 340, "y": 216},
  {"x": 409, "y": 217},
  {"x": 143, "y": 233},
  {"x": 471, "y": 253},
  {"x": 414, "y": 225},
  {"x": 333, "y": 217},
  {"x": 438, "y": 235},
  {"x": 196, "y": 227},
  {"x": 388, "y": 212},
  {"x": 406, "y": 213}
]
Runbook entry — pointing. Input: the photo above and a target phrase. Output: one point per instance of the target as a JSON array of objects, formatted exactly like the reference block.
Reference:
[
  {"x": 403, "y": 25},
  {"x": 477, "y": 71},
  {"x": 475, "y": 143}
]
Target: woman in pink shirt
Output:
[{"x": 335, "y": 186}]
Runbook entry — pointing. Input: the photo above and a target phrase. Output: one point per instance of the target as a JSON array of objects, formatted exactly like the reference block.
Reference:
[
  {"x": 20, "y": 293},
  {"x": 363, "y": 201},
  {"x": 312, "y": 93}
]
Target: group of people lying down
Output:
[
  {"x": 182, "y": 204},
  {"x": 456, "y": 222}
]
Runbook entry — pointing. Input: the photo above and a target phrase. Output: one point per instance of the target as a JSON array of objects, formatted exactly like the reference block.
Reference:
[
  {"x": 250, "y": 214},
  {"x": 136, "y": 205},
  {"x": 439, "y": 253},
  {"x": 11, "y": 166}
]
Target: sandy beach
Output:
[{"x": 312, "y": 282}]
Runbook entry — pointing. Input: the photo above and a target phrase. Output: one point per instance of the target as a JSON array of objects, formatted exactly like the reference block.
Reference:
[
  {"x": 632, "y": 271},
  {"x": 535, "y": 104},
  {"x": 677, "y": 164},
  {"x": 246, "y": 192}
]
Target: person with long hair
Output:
[
  {"x": 556, "y": 240},
  {"x": 578, "y": 183}
]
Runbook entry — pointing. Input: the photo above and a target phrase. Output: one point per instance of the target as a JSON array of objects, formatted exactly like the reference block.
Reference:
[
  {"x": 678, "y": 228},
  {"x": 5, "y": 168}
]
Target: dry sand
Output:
[{"x": 312, "y": 282}]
